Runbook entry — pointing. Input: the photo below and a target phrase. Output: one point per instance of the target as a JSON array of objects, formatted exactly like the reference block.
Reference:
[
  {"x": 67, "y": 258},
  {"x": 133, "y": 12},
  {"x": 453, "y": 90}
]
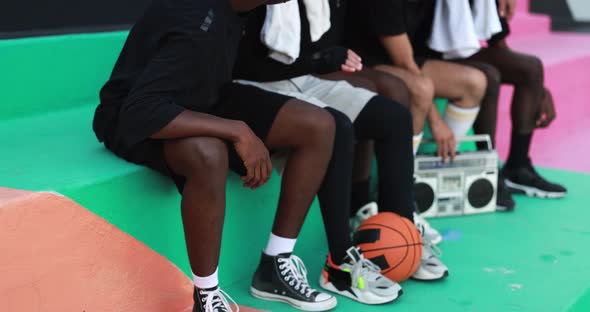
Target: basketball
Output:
[{"x": 391, "y": 242}]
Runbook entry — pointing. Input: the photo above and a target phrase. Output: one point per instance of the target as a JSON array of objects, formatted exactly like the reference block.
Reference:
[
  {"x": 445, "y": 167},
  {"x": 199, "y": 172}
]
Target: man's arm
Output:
[
  {"x": 507, "y": 8},
  {"x": 249, "y": 147},
  {"x": 193, "y": 124},
  {"x": 401, "y": 52}
]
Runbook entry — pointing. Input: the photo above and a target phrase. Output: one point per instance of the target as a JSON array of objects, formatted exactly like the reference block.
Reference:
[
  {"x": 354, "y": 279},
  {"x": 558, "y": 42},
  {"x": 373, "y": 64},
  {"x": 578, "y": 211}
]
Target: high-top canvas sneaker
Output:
[
  {"x": 212, "y": 300},
  {"x": 284, "y": 278}
]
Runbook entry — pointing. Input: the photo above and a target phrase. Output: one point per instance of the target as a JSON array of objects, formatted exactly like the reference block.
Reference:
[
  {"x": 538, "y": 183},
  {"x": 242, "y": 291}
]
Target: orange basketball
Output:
[{"x": 391, "y": 242}]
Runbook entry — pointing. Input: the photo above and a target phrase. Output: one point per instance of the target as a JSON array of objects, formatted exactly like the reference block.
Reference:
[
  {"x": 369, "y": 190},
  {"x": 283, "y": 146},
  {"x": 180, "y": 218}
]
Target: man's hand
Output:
[
  {"x": 547, "y": 113},
  {"x": 507, "y": 9},
  {"x": 336, "y": 59},
  {"x": 444, "y": 138},
  {"x": 256, "y": 158},
  {"x": 353, "y": 62}
]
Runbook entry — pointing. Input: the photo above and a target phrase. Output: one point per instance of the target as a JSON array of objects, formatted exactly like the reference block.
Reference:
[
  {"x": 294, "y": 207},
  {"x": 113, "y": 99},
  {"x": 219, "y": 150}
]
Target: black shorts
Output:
[{"x": 256, "y": 107}]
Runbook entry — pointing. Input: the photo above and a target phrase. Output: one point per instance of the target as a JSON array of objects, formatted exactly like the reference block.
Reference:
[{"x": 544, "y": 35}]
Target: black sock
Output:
[
  {"x": 334, "y": 194},
  {"x": 519, "y": 150},
  {"x": 360, "y": 196},
  {"x": 390, "y": 125}
]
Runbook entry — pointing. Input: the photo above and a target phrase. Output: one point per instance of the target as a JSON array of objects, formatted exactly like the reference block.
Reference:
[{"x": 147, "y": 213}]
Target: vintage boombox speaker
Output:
[{"x": 464, "y": 186}]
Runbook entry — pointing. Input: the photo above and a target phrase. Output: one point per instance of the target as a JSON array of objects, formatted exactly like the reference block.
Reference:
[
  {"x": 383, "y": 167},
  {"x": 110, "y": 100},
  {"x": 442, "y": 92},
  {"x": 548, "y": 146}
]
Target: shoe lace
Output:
[
  {"x": 421, "y": 222},
  {"x": 294, "y": 272},
  {"x": 215, "y": 301},
  {"x": 366, "y": 268},
  {"x": 432, "y": 250}
]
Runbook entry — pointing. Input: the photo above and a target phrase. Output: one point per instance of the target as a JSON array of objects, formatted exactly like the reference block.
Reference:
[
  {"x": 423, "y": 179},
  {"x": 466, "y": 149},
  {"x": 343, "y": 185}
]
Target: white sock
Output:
[
  {"x": 417, "y": 139},
  {"x": 207, "y": 281},
  {"x": 279, "y": 245},
  {"x": 459, "y": 119}
]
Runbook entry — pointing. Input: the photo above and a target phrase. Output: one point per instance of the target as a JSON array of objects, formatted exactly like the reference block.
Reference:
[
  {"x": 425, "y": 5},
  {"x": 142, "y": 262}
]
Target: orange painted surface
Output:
[{"x": 56, "y": 256}]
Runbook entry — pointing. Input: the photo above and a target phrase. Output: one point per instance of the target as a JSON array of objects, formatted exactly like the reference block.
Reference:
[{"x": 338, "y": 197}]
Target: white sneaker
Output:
[
  {"x": 429, "y": 234},
  {"x": 431, "y": 268},
  {"x": 367, "y": 211}
]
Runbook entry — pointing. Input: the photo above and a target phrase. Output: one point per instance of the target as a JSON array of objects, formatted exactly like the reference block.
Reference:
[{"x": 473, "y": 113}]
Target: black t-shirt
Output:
[
  {"x": 367, "y": 21},
  {"x": 176, "y": 58}
]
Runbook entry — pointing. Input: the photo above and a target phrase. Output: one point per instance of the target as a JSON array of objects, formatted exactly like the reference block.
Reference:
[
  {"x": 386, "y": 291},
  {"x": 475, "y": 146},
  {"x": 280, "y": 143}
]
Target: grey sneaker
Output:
[
  {"x": 430, "y": 234},
  {"x": 359, "y": 279},
  {"x": 367, "y": 211},
  {"x": 431, "y": 268}
]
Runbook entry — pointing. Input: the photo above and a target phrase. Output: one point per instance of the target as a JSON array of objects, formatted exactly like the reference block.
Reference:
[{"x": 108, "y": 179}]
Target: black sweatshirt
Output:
[{"x": 176, "y": 58}]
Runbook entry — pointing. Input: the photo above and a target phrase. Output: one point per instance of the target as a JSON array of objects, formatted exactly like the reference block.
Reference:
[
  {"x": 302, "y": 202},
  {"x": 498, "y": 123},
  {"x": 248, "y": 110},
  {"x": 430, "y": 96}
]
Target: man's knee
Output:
[
  {"x": 390, "y": 114},
  {"x": 318, "y": 125},
  {"x": 493, "y": 76},
  {"x": 476, "y": 84},
  {"x": 197, "y": 156},
  {"x": 394, "y": 88},
  {"x": 533, "y": 71},
  {"x": 422, "y": 91}
]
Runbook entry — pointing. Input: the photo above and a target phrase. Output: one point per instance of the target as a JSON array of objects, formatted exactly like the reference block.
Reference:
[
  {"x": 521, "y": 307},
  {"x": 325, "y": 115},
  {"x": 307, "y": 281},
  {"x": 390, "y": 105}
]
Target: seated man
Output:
[
  {"x": 170, "y": 105},
  {"x": 390, "y": 36},
  {"x": 532, "y": 107},
  {"x": 389, "y": 86},
  {"x": 374, "y": 118}
]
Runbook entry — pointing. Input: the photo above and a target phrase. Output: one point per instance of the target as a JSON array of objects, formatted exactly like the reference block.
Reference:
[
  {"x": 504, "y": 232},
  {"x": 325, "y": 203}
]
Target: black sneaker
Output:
[
  {"x": 283, "y": 278},
  {"x": 211, "y": 300},
  {"x": 527, "y": 181},
  {"x": 504, "y": 200}
]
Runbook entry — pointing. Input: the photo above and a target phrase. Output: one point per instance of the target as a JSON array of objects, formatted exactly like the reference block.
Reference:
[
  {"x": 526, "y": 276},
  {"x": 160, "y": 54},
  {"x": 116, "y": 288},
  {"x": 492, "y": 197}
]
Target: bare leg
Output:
[
  {"x": 464, "y": 86},
  {"x": 204, "y": 163},
  {"x": 487, "y": 118},
  {"x": 308, "y": 132},
  {"x": 421, "y": 91},
  {"x": 523, "y": 71}
]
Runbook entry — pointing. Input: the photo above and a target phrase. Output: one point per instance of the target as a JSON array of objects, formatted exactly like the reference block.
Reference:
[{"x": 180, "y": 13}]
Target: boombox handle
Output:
[{"x": 471, "y": 138}]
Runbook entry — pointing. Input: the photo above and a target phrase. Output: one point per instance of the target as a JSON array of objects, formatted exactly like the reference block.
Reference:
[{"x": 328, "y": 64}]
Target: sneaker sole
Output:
[
  {"x": 301, "y": 305},
  {"x": 501, "y": 208},
  {"x": 532, "y": 191},
  {"x": 363, "y": 297},
  {"x": 429, "y": 277}
]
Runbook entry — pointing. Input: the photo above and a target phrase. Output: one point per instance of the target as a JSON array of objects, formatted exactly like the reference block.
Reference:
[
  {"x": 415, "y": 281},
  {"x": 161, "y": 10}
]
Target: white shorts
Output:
[{"x": 340, "y": 95}]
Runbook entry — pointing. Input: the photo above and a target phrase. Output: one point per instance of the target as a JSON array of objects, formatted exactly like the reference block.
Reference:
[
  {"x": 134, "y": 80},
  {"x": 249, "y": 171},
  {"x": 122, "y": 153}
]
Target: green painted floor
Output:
[{"x": 535, "y": 259}]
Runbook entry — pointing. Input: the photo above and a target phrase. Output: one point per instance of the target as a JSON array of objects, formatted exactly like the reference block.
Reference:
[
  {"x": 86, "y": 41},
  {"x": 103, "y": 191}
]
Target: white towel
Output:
[
  {"x": 486, "y": 19},
  {"x": 281, "y": 31},
  {"x": 458, "y": 28}
]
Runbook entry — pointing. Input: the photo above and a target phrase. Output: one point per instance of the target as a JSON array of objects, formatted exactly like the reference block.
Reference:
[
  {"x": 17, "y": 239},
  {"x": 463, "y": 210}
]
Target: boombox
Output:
[{"x": 464, "y": 186}]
